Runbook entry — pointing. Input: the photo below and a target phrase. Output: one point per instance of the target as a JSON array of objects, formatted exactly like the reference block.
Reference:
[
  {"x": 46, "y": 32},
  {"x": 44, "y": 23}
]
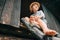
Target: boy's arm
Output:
[{"x": 42, "y": 14}]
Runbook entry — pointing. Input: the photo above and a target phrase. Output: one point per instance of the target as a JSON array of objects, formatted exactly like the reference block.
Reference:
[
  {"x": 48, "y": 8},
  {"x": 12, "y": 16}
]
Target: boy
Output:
[{"x": 38, "y": 18}]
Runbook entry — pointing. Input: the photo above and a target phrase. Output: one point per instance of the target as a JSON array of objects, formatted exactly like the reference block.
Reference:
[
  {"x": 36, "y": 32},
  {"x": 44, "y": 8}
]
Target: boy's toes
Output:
[{"x": 51, "y": 32}]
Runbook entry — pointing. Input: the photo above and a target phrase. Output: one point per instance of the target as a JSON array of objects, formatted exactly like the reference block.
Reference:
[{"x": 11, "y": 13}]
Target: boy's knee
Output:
[{"x": 27, "y": 19}]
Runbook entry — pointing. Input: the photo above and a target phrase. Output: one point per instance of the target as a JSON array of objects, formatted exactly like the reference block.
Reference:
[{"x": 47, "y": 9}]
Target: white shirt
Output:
[{"x": 39, "y": 13}]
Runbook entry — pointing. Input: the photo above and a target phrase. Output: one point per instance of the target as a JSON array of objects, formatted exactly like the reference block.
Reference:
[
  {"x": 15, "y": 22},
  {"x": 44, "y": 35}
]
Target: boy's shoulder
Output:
[{"x": 40, "y": 11}]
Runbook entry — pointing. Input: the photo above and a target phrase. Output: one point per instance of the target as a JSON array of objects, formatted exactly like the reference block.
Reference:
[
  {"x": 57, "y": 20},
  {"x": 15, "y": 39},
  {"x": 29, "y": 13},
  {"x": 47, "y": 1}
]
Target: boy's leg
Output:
[{"x": 45, "y": 29}]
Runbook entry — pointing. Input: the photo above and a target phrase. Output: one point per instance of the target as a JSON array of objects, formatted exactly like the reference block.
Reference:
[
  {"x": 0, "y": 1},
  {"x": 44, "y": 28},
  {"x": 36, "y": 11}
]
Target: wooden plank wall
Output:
[{"x": 11, "y": 13}]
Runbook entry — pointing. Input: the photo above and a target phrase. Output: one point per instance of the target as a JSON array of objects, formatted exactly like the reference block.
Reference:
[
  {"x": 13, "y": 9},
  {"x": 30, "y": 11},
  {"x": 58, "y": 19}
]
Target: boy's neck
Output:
[{"x": 35, "y": 11}]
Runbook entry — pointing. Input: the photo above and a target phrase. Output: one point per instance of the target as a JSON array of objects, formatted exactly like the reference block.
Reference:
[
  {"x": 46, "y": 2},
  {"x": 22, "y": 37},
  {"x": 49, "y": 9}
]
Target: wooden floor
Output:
[{"x": 12, "y": 38}]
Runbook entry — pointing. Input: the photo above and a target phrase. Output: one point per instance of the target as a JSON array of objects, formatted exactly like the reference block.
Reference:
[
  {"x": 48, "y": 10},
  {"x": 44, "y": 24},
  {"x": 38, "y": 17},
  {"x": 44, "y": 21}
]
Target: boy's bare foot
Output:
[{"x": 50, "y": 32}]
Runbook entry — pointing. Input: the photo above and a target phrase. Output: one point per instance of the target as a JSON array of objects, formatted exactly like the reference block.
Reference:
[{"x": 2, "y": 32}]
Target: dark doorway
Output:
[{"x": 25, "y": 7}]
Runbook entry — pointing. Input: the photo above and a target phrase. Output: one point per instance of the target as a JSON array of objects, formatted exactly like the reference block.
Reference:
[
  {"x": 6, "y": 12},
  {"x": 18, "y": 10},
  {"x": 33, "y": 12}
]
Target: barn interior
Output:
[{"x": 10, "y": 27}]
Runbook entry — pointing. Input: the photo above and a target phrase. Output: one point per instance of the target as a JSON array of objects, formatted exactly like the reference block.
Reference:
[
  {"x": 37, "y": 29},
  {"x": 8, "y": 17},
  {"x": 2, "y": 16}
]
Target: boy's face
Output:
[{"x": 35, "y": 7}]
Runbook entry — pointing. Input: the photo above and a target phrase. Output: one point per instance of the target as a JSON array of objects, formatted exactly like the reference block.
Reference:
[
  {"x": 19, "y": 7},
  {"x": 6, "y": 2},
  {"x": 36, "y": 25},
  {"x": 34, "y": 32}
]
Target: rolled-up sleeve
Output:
[{"x": 43, "y": 15}]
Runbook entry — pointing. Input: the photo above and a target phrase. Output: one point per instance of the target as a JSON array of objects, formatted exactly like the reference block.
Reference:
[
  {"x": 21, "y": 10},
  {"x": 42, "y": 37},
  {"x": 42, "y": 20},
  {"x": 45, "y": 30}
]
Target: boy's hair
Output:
[{"x": 32, "y": 4}]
